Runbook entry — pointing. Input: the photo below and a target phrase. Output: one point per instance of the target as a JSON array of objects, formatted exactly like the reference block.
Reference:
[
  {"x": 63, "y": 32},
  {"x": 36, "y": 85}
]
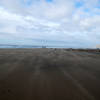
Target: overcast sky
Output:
[{"x": 70, "y": 23}]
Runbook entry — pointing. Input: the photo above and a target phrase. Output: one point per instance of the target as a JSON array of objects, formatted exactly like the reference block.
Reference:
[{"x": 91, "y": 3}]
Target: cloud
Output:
[
  {"x": 75, "y": 21},
  {"x": 14, "y": 23}
]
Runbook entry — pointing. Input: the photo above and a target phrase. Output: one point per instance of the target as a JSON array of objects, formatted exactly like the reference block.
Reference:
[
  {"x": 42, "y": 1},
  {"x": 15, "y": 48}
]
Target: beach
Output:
[{"x": 49, "y": 74}]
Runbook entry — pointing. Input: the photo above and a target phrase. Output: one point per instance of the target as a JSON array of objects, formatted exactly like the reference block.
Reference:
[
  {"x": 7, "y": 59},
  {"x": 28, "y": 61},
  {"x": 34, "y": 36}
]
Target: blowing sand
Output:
[{"x": 49, "y": 74}]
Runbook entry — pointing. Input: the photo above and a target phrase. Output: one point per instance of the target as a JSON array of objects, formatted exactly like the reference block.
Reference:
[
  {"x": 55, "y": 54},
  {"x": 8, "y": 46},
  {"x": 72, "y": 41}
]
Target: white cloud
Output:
[
  {"x": 57, "y": 20},
  {"x": 13, "y": 23}
]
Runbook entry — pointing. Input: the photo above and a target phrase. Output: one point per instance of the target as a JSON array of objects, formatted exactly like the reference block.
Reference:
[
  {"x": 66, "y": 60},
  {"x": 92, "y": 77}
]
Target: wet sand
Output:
[{"x": 49, "y": 74}]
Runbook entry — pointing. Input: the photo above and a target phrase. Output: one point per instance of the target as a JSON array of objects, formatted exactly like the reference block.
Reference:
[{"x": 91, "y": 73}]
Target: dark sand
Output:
[{"x": 49, "y": 74}]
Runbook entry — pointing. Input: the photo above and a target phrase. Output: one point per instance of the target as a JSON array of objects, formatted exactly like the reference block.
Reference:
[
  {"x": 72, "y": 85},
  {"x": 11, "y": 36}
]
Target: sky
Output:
[{"x": 69, "y": 23}]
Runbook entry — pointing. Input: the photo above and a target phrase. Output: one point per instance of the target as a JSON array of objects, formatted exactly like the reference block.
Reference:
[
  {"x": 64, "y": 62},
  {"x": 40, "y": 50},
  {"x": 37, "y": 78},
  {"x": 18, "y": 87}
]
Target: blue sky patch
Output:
[
  {"x": 79, "y": 4},
  {"x": 86, "y": 10},
  {"x": 26, "y": 3},
  {"x": 49, "y": 0}
]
